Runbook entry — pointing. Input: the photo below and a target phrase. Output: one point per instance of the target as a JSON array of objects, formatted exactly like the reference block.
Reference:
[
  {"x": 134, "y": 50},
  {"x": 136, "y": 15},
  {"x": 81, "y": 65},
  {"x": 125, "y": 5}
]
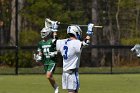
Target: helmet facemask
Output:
[{"x": 45, "y": 32}]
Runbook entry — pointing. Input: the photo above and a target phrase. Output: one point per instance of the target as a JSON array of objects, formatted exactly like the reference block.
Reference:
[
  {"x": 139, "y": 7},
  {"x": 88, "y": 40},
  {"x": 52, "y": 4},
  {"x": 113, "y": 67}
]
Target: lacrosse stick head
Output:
[
  {"x": 46, "y": 31},
  {"x": 75, "y": 30},
  {"x": 48, "y": 23}
]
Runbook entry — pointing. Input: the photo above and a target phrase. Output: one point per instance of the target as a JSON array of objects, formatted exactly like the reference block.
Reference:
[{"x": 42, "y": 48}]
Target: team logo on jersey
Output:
[{"x": 46, "y": 46}]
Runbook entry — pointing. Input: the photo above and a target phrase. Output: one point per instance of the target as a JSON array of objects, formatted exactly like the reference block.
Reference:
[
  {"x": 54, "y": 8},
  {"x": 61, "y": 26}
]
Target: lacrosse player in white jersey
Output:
[{"x": 70, "y": 49}]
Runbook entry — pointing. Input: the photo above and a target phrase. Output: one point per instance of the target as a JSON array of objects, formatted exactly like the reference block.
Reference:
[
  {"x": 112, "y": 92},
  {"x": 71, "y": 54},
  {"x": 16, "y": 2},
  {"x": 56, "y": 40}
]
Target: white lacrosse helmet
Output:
[
  {"x": 45, "y": 32},
  {"x": 76, "y": 30}
]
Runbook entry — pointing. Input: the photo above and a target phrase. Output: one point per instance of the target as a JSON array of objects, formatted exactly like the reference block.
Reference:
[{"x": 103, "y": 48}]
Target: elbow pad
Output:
[
  {"x": 86, "y": 42},
  {"x": 55, "y": 38}
]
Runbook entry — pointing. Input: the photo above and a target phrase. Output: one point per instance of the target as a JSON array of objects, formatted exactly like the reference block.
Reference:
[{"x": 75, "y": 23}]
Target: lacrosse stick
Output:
[
  {"x": 48, "y": 23},
  {"x": 93, "y": 26},
  {"x": 81, "y": 25}
]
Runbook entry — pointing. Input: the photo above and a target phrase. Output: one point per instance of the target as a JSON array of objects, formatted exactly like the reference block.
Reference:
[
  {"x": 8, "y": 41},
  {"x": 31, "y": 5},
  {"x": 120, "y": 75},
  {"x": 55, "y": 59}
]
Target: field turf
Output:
[{"x": 90, "y": 83}]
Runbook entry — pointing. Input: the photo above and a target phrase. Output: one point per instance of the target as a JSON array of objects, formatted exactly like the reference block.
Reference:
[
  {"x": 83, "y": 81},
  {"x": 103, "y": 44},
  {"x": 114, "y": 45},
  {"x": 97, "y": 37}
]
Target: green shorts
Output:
[{"x": 50, "y": 67}]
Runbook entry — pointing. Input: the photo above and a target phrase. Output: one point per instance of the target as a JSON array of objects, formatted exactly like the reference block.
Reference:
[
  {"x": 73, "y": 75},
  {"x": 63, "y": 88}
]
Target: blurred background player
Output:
[
  {"x": 136, "y": 49},
  {"x": 70, "y": 49},
  {"x": 46, "y": 53}
]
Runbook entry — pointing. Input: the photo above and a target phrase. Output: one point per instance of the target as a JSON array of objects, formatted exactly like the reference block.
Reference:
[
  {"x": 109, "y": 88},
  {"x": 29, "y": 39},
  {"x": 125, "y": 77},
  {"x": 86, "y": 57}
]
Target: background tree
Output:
[
  {"x": 120, "y": 19},
  {"x": 34, "y": 13},
  {"x": 5, "y": 18}
]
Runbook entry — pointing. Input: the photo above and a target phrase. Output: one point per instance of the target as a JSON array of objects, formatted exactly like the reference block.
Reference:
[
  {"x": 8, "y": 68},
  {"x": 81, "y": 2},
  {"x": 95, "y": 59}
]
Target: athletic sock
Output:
[{"x": 55, "y": 86}]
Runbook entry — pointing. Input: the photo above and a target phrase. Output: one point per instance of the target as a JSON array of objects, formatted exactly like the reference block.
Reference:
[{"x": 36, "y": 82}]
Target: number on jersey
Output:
[{"x": 65, "y": 56}]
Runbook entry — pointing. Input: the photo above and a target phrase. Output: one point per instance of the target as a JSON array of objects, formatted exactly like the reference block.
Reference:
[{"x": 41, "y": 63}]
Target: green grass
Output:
[
  {"x": 90, "y": 83},
  {"x": 39, "y": 69}
]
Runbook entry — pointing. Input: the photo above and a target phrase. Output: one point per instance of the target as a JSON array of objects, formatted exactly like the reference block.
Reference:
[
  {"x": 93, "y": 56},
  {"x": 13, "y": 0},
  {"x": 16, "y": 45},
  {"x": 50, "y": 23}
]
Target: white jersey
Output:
[{"x": 70, "y": 50}]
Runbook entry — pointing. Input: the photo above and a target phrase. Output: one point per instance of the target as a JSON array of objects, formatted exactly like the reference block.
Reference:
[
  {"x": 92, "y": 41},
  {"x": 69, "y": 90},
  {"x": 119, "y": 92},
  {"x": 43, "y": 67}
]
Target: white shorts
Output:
[{"x": 70, "y": 81}]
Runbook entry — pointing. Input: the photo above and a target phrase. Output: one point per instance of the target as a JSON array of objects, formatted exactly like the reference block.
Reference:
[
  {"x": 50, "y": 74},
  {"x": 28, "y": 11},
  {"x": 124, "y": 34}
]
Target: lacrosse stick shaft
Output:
[
  {"x": 79, "y": 25},
  {"x": 59, "y": 23},
  {"x": 93, "y": 26}
]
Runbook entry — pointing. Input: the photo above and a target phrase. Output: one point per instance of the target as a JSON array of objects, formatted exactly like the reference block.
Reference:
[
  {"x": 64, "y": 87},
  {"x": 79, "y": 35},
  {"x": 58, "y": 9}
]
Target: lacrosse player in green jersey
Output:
[{"x": 47, "y": 54}]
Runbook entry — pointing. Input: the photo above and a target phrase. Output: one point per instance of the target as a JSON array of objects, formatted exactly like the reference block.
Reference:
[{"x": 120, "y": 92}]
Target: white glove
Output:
[
  {"x": 54, "y": 26},
  {"x": 37, "y": 57},
  {"x": 52, "y": 54},
  {"x": 85, "y": 43},
  {"x": 136, "y": 49},
  {"x": 90, "y": 29}
]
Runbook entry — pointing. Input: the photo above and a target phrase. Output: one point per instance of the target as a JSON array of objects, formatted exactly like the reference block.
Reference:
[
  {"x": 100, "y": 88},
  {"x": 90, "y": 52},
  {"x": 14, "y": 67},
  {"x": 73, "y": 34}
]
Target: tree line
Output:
[{"x": 120, "y": 19}]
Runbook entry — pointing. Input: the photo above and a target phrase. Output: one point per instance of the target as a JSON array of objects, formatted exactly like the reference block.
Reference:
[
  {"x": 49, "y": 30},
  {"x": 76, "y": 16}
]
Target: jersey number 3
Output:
[{"x": 65, "y": 56}]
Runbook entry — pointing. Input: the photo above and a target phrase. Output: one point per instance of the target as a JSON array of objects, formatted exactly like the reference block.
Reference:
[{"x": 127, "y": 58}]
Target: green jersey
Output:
[{"x": 46, "y": 47}]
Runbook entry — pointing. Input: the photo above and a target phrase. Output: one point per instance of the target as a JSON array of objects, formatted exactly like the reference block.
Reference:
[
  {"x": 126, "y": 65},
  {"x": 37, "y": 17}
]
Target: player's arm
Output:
[
  {"x": 54, "y": 29},
  {"x": 89, "y": 33},
  {"x": 53, "y": 25}
]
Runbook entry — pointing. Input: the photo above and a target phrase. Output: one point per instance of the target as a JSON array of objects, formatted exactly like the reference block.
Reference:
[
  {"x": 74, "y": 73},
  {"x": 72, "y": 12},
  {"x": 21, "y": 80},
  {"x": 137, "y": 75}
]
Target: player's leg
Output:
[
  {"x": 52, "y": 81},
  {"x": 70, "y": 81},
  {"x": 49, "y": 75},
  {"x": 75, "y": 78}
]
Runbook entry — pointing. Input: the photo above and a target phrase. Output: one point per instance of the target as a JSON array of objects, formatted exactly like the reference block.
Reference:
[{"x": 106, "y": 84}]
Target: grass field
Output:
[
  {"x": 83, "y": 70},
  {"x": 90, "y": 83}
]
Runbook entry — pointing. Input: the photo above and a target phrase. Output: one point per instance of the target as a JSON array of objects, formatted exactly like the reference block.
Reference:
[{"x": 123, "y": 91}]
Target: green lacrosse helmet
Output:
[{"x": 46, "y": 31}]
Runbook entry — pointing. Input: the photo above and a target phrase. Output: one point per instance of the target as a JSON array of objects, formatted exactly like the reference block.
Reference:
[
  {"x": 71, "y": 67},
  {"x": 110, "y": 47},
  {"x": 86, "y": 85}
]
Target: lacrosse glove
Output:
[
  {"x": 90, "y": 29},
  {"x": 54, "y": 26},
  {"x": 37, "y": 57}
]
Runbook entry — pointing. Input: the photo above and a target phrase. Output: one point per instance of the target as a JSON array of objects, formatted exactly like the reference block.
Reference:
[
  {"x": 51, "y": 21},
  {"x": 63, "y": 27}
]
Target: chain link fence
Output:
[{"x": 94, "y": 60}]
